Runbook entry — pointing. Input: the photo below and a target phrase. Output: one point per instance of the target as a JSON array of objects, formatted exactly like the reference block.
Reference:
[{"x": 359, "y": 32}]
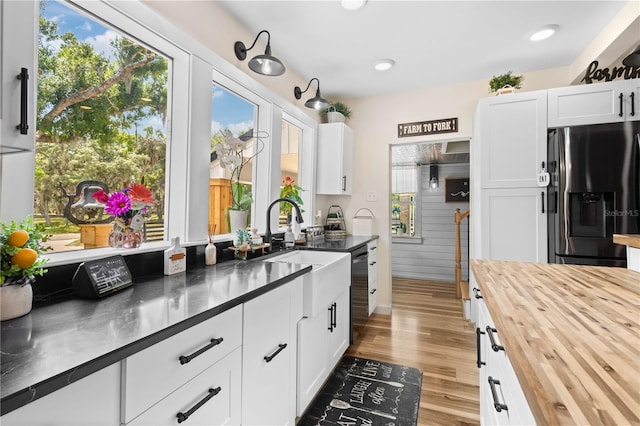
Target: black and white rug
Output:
[{"x": 365, "y": 392}]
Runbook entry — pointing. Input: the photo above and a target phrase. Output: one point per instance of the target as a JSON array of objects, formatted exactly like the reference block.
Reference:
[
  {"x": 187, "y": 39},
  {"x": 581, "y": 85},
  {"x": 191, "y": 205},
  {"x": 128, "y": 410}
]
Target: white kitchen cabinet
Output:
[
  {"x": 372, "y": 247},
  {"x": 514, "y": 224},
  {"x": 211, "y": 398},
  {"x": 513, "y": 138},
  {"x": 506, "y": 403},
  {"x": 323, "y": 339},
  {"x": 159, "y": 370},
  {"x": 335, "y": 159},
  {"x": 93, "y": 400},
  {"x": 609, "y": 102},
  {"x": 269, "y": 355}
]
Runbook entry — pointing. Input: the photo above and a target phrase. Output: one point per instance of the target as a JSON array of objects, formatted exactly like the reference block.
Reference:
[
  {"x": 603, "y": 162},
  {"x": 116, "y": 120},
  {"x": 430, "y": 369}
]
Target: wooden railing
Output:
[{"x": 462, "y": 287}]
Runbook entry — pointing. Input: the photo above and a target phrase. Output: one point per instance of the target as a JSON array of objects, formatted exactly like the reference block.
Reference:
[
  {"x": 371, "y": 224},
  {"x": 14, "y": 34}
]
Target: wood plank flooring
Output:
[{"x": 427, "y": 330}]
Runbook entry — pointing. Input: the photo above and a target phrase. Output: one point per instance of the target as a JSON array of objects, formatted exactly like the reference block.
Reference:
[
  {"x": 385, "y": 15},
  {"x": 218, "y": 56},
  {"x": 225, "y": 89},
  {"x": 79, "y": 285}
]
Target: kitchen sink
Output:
[{"x": 330, "y": 272}]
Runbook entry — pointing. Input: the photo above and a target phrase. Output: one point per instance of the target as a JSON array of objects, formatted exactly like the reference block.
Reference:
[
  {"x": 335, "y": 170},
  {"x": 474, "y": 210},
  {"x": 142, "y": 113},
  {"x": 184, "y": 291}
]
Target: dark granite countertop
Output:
[
  {"x": 61, "y": 343},
  {"x": 350, "y": 243}
]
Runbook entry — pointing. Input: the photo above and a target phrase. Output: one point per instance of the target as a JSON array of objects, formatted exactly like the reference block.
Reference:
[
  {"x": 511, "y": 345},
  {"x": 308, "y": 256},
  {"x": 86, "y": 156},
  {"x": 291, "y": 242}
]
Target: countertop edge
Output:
[
  {"x": 38, "y": 390},
  {"x": 629, "y": 240}
]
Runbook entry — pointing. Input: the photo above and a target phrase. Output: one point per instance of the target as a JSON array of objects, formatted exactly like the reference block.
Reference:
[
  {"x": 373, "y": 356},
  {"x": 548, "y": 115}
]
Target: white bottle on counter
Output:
[
  {"x": 210, "y": 254},
  {"x": 289, "y": 238},
  {"x": 175, "y": 258}
]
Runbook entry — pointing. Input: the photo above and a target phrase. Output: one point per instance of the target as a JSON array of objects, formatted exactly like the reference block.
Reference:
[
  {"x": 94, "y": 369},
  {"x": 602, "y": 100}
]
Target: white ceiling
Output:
[{"x": 433, "y": 42}]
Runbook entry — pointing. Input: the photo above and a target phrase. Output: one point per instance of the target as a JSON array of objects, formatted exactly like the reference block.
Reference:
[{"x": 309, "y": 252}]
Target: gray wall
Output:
[{"x": 434, "y": 259}]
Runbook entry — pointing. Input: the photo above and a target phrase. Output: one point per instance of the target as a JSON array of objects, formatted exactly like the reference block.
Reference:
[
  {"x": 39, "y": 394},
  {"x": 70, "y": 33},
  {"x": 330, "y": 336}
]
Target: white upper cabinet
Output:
[
  {"x": 513, "y": 135},
  {"x": 335, "y": 159},
  {"x": 609, "y": 102}
]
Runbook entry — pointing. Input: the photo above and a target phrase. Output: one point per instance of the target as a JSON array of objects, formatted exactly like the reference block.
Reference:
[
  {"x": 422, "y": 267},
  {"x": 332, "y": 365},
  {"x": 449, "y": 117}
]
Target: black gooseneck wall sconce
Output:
[
  {"x": 262, "y": 64},
  {"x": 317, "y": 102}
]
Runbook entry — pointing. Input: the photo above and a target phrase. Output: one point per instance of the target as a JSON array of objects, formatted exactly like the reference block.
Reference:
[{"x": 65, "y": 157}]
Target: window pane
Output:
[
  {"x": 289, "y": 164},
  {"x": 102, "y": 111},
  {"x": 231, "y": 117},
  {"x": 403, "y": 215}
]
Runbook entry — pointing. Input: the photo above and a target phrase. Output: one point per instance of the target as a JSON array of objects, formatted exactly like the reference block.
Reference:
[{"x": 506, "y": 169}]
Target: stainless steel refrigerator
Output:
[{"x": 594, "y": 192}]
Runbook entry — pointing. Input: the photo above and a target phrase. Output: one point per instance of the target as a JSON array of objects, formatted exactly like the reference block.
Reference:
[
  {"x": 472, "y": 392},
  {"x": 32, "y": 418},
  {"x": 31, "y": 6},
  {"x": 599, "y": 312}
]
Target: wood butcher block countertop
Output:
[
  {"x": 630, "y": 240},
  {"x": 572, "y": 334}
]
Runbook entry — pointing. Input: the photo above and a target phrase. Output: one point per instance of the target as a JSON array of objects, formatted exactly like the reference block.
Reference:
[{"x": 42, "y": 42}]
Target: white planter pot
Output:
[
  {"x": 237, "y": 220},
  {"x": 335, "y": 117},
  {"x": 15, "y": 301}
]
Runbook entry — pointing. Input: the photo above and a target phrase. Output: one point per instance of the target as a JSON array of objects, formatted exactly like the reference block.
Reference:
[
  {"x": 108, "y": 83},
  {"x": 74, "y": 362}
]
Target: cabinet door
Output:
[
  {"x": 339, "y": 336},
  {"x": 313, "y": 357},
  {"x": 268, "y": 392},
  {"x": 373, "y": 275},
  {"x": 587, "y": 104},
  {"x": 93, "y": 400},
  {"x": 217, "y": 389},
  {"x": 335, "y": 159},
  {"x": 513, "y": 139},
  {"x": 513, "y": 225}
]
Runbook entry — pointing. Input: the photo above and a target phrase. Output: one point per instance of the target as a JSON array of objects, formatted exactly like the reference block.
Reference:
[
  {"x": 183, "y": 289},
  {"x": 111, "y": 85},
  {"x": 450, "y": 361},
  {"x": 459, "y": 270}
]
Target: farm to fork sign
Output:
[{"x": 421, "y": 128}]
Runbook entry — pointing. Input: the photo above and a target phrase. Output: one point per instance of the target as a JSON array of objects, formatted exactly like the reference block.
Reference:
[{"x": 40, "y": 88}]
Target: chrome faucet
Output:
[{"x": 267, "y": 234}]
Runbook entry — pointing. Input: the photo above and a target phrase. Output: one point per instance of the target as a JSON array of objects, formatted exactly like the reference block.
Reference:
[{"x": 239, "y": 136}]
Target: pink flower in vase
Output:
[{"x": 118, "y": 204}]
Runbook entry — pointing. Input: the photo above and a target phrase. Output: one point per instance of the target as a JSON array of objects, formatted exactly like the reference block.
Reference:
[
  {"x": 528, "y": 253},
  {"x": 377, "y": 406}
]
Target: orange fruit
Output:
[
  {"x": 24, "y": 258},
  {"x": 18, "y": 238}
]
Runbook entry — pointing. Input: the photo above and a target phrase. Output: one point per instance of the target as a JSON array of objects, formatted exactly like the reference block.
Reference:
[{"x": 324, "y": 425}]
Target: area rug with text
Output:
[{"x": 363, "y": 392}]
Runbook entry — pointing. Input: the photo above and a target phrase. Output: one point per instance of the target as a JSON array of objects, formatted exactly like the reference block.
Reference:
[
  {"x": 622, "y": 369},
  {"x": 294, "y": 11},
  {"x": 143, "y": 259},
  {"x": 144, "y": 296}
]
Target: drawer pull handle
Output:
[
  {"x": 281, "y": 346},
  {"x": 476, "y": 295},
  {"x": 494, "y": 345},
  {"x": 214, "y": 342},
  {"x": 184, "y": 416},
  {"x": 374, "y": 290},
  {"x": 498, "y": 406},
  {"x": 335, "y": 315},
  {"x": 479, "y": 362},
  {"x": 372, "y": 263},
  {"x": 24, "y": 98},
  {"x": 330, "y": 309}
]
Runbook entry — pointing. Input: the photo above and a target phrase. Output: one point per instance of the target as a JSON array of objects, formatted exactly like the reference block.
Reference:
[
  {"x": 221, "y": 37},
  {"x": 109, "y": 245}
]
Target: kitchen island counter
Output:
[
  {"x": 58, "y": 344},
  {"x": 572, "y": 334}
]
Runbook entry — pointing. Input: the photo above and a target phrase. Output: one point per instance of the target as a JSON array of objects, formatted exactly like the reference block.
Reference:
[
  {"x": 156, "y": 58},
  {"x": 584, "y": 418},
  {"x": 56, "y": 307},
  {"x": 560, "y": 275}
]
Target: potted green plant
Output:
[
  {"x": 336, "y": 113},
  {"x": 505, "y": 83},
  {"x": 20, "y": 261}
]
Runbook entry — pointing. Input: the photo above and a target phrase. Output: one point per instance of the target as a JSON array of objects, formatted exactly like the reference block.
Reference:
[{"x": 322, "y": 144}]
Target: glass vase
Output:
[{"x": 125, "y": 237}]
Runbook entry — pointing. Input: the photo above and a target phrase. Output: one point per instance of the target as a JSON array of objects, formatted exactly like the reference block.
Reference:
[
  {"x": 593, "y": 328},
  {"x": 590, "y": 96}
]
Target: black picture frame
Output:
[{"x": 457, "y": 190}]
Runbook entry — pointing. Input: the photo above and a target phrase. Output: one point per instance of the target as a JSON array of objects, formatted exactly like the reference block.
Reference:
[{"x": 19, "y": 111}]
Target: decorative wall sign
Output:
[
  {"x": 456, "y": 190},
  {"x": 599, "y": 74},
  {"x": 434, "y": 127}
]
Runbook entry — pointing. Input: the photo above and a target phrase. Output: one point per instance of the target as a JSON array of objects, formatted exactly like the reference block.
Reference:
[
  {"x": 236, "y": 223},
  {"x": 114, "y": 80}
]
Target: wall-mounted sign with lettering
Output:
[
  {"x": 421, "y": 128},
  {"x": 594, "y": 73}
]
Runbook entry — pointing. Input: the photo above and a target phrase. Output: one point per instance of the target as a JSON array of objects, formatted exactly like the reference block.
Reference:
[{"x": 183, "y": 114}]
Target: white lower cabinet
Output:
[
  {"x": 322, "y": 340},
  {"x": 269, "y": 354},
  {"x": 211, "y": 398},
  {"x": 372, "y": 247},
  {"x": 93, "y": 400},
  {"x": 502, "y": 401}
]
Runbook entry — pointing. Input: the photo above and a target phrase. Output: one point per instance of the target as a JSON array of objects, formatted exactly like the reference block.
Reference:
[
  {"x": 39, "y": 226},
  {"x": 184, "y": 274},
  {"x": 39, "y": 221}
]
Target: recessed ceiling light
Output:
[
  {"x": 544, "y": 32},
  {"x": 353, "y": 4},
  {"x": 384, "y": 64}
]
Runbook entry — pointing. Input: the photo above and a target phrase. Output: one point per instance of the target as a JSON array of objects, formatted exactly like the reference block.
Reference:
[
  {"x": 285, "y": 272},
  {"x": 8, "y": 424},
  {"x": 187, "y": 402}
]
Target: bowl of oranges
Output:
[{"x": 20, "y": 261}]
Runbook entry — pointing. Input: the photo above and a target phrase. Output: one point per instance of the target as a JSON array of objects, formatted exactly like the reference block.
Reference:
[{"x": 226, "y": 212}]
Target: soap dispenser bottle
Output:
[
  {"x": 175, "y": 258},
  {"x": 289, "y": 238}
]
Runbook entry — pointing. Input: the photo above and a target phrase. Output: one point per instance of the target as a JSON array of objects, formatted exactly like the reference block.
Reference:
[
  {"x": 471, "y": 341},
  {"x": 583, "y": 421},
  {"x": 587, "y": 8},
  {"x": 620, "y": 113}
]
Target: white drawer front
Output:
[
  {"x": 153, "y": 373},
  {"x": 222, "y": 408}
]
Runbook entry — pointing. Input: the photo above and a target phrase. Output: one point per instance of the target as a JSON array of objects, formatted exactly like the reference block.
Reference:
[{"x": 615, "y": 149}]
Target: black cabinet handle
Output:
[
  {"x": 633, "y": 103},
  {"x": 24, "y": 98},
  {"x": 542, "y": 198},
  {"x": 373, "y": 263},
  {"x": 479, "y": 362},
  {"x": 344, "y": 183},
  {"x": 331, "y": 308},
  {"x": 476, "y": 295},
  {"x": 494, "y": 345},
  {"x": 184, "y": 416},
  {"x": 621, "y": 104},
  {"x": 373, "y": 248},
  {"x": 334, "y": 319},
  {"x": 496, "y": 403},
  {"x": 187, "y": 358},
  {"x": 281, "y": 347},
  {"x": 374, "y": 290}
]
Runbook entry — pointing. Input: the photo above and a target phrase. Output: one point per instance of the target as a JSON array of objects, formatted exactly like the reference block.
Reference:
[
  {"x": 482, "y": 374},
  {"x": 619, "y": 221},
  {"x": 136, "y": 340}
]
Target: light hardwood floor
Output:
[{"x": 427, "y": 330}]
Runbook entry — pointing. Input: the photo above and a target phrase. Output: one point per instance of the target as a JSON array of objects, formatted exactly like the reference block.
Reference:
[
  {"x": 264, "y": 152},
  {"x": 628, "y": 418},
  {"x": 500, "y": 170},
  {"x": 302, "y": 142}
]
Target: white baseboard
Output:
[{"x": 384, "y": 310}]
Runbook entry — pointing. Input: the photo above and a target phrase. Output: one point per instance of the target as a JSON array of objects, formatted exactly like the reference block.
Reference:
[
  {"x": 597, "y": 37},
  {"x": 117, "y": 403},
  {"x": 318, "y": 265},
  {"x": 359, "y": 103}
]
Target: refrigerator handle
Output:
[{"x": 621, "y": 103}]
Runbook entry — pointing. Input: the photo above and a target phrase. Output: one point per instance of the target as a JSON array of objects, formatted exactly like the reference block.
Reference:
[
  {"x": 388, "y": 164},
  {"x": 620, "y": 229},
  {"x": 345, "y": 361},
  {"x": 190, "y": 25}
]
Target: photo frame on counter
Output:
[{"x": 457, "y": 190}]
